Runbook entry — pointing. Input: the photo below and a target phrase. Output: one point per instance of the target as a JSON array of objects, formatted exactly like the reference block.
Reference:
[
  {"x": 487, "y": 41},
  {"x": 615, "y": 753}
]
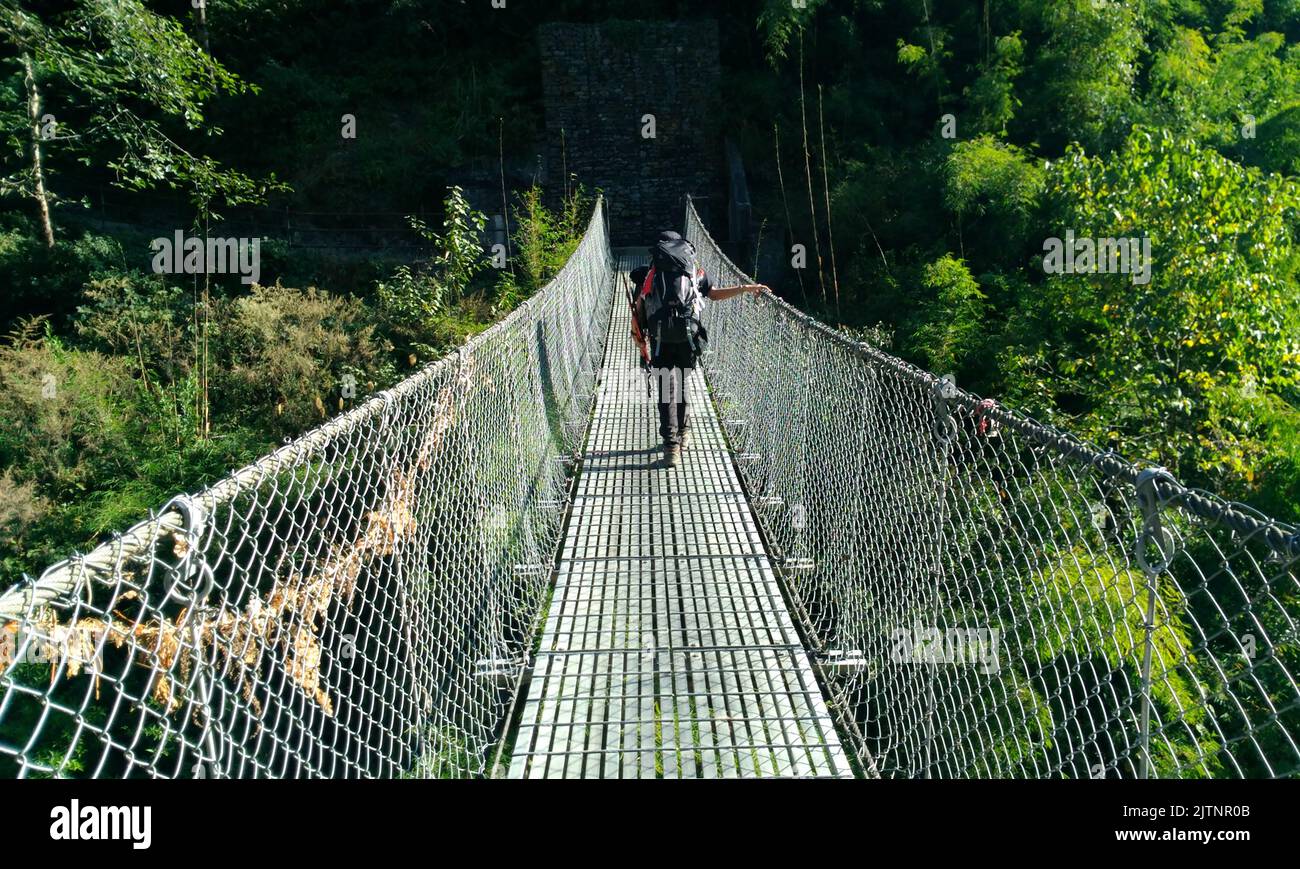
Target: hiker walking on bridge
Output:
[{"x": 667, "y": 312}]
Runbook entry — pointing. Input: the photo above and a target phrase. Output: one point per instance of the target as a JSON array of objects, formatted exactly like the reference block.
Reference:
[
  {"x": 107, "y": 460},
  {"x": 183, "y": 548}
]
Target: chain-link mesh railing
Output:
[
  {"x": 358, "y": 603},
  {"x": 988, "y": 596}
]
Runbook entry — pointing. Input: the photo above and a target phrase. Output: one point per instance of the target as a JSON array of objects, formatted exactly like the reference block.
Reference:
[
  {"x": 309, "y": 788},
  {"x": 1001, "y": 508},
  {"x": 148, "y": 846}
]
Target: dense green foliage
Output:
[
  {"x": 98, "y": 426},
  {"x": 939, "y": 144},
  {"x": 961, "y": 138},
  {"x": 958, "y": 138}
]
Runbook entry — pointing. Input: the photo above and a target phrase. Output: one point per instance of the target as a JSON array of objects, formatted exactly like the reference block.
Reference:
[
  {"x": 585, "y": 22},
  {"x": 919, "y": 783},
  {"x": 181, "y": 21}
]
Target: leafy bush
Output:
[
  {"x": 285, "y": 353},
  {"x": 141, "y": 318},
  {"x": 87, "y": 448},
  {"x": 414, "y": 300},
  {"x": 41, "y": 281},
  {"x": 950, "y": 327},
  {"x": 545, "y": 240},
  {"x": 429, "y": 308}
]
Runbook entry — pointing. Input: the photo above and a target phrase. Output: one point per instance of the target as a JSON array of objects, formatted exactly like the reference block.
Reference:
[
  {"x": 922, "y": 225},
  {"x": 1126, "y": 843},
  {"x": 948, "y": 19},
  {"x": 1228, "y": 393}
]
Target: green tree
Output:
[
  {"x": 995, "y": 189},
  {"x": 415, "y": 299},
  {"x": 1221, "y": 95},
  {"x": 1162, "y": 365},
  {"x": 779, "y": 21},
  {"x": 1085, "y": 70},
  {"x": 950, "y": 327},
  {"x": 126, "y": 77},
  {"x": 991, "y": 98}
]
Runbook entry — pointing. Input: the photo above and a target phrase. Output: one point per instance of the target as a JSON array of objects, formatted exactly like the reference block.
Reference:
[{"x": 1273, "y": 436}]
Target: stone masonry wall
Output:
[{"x": 599, "y": 80}]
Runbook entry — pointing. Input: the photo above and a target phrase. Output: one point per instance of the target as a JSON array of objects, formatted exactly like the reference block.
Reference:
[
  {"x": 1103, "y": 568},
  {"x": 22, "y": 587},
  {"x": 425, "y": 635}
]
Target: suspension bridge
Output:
[{"x": 857, "y": 570}]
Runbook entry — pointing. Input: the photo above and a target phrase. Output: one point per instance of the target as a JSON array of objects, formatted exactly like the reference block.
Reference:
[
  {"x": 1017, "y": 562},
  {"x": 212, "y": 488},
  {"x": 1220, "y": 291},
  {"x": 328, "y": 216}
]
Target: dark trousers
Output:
[{"x": 672, "y": 368}]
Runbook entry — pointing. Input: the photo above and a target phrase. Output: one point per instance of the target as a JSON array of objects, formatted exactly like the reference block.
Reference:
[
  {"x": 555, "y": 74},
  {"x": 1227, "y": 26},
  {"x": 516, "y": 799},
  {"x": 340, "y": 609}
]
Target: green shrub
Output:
[
  {"x": 950, "y": 324},
  {"x": 545, "y": 240},
  {"x": 414, "y": 299},
  {"x": 88, "y": 448},
  {"x": 41, "y": 281},
  {"x": 283, "y": 356}
]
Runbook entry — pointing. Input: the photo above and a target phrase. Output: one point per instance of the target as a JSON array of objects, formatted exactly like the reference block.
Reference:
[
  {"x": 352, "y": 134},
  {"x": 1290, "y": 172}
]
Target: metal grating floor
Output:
[{"x": 668, "y": 651}]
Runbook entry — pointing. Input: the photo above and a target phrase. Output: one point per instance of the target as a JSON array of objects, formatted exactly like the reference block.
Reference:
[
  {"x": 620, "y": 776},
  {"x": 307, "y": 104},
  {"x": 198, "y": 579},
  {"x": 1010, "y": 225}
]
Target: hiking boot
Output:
[{"x": 671, "y": 453}]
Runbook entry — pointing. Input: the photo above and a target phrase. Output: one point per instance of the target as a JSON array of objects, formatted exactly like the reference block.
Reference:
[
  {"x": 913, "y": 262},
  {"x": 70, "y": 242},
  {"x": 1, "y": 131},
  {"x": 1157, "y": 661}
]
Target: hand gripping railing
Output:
[
  {"x": 358, "y": 603},
  {"x": 988, "y": 596}
]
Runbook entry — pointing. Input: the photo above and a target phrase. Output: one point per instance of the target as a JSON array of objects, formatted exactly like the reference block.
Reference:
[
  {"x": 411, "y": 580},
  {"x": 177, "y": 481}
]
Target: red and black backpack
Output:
[{"x": 671, "y": 295}]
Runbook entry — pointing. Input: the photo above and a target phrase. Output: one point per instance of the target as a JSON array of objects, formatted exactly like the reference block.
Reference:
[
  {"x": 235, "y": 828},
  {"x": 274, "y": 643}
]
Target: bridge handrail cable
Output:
[
  {"x": 356, "y": 603},
  {"x": 991, "y": 596}
]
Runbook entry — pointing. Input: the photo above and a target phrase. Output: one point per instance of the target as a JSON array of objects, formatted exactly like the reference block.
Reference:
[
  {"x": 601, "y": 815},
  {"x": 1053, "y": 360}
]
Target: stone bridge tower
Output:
[{"x": 599, "y": 82}]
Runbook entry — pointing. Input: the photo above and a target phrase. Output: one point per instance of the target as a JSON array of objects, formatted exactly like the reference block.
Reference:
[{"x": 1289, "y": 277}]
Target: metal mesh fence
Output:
[
  {"x": 358, "y": 603},
  {"x": 985, "y": 596},
  {"x": 988, "y": 596}
]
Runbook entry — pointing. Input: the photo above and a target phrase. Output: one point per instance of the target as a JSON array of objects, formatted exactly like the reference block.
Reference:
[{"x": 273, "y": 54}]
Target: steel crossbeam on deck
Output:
[{"x": 668, "y": 651}]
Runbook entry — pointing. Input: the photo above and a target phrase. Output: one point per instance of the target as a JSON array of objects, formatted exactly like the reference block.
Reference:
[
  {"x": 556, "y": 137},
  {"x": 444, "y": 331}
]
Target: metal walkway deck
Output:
[{"x": 668, "y": 650}]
